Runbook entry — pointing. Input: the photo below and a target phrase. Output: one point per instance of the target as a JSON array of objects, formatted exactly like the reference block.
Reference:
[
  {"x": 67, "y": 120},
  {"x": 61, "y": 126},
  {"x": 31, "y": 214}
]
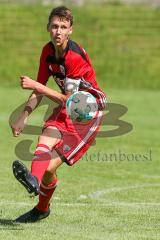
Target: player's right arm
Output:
[
  {"x": 33, "y": 101},
  {"x": 35, "y": 97}
]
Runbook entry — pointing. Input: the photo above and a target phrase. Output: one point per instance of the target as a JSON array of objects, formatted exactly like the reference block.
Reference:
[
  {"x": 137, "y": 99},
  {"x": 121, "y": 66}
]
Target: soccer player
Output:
[{"x": 61, "y": 140}]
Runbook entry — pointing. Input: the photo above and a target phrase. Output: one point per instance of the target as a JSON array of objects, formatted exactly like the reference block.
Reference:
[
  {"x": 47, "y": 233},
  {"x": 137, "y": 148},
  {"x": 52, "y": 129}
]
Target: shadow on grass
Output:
[{"x": 9, "y": 224}]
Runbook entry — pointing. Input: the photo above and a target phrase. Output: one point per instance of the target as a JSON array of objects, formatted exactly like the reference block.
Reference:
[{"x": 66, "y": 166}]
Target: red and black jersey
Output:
[{"x": 74, "y": 65}]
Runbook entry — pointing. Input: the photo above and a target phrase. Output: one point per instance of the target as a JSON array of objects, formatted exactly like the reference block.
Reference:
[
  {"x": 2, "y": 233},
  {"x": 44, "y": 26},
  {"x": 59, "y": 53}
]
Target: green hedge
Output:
[{"x": 123, "y": 42}]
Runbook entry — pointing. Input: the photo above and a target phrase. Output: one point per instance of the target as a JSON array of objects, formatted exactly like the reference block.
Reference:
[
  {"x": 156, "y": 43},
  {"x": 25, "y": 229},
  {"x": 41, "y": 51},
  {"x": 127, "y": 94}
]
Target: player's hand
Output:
[
  {"x": 18, "y": 126},
  {"x": 28, "y": 83}
]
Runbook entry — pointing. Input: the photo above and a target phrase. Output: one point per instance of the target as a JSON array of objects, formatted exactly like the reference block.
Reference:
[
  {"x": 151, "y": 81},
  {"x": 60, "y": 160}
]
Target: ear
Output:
[{"x": 71, "y": 30}]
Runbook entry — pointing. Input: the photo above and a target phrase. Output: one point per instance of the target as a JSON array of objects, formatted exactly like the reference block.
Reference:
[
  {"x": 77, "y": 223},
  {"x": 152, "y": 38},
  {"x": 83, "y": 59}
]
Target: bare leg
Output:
[{"x": 50, "y": 137}]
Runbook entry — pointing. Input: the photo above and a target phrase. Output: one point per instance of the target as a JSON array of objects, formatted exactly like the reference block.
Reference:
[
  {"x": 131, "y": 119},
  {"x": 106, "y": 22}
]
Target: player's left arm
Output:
[{"x": 28, "y": 83}]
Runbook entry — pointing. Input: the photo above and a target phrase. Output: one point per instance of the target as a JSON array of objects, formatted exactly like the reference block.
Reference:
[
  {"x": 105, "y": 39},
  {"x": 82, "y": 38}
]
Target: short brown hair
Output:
[{"x": 62, "y": 12}]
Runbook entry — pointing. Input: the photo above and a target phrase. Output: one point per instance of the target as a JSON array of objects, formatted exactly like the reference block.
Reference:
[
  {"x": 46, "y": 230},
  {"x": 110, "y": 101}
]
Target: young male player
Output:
[{"x": 61, "y": 139}]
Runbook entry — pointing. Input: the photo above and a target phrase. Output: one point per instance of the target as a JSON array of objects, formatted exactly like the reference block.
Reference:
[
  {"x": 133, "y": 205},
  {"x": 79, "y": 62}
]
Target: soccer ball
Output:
[{"x": 81, "y": 106}]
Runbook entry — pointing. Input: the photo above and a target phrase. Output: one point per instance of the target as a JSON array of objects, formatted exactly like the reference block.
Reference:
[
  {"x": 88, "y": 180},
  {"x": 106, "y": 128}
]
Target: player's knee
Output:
[
  {"x": 48, "y": 173},
  {"x": 51, "y": 169},
  {"x": 51, "y": 136}
]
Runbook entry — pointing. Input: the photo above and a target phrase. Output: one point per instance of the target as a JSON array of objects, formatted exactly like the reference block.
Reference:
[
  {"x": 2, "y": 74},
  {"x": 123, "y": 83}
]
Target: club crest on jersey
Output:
[
  {"x": 62, "y": 70},
  {"x": 66, "y": 148}
]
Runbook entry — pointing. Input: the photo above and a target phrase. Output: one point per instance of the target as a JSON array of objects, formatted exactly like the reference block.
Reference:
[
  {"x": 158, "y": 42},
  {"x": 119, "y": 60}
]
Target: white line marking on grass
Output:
[
  {"x": 100, "y": 193},
  {"x": 100, "y": 200}
]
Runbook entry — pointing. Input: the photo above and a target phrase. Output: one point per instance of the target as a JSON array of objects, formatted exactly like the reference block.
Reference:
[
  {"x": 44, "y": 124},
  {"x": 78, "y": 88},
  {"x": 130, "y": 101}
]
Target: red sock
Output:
[
  {"x": 45, "y": 195},
  {"x": 41, "y": 161}
]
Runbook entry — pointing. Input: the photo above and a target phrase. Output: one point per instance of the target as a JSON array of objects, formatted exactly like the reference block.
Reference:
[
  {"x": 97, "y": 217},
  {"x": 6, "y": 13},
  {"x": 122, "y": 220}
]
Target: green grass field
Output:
[
  {"x": 116, "y": 200},
  {"x": 122, "y": 41},
  {"x": 103, "y": 196}
]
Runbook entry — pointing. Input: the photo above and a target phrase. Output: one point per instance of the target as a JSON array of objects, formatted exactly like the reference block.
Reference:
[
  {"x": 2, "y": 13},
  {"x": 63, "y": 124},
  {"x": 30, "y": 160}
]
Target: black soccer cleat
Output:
[
  {"x": 32, "y": 216},
  {"x": 23, "y": 175}
]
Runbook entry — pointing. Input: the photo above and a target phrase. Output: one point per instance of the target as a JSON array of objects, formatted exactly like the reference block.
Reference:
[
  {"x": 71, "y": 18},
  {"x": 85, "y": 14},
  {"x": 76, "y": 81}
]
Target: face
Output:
[{"x": 59, "y": 30}]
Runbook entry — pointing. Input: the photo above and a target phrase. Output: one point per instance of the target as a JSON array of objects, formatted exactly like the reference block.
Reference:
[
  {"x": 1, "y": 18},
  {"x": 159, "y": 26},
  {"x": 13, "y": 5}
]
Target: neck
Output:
[{"x": 60, "y": 50}]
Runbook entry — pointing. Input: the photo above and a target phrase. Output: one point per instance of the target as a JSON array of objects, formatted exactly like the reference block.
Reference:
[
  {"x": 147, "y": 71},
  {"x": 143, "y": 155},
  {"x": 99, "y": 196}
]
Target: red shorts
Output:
[{"x": 76, "y": 138}]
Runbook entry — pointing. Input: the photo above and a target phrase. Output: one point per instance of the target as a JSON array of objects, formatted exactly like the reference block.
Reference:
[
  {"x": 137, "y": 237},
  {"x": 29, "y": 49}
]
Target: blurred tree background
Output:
[{"x": 122, "y": 38}]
